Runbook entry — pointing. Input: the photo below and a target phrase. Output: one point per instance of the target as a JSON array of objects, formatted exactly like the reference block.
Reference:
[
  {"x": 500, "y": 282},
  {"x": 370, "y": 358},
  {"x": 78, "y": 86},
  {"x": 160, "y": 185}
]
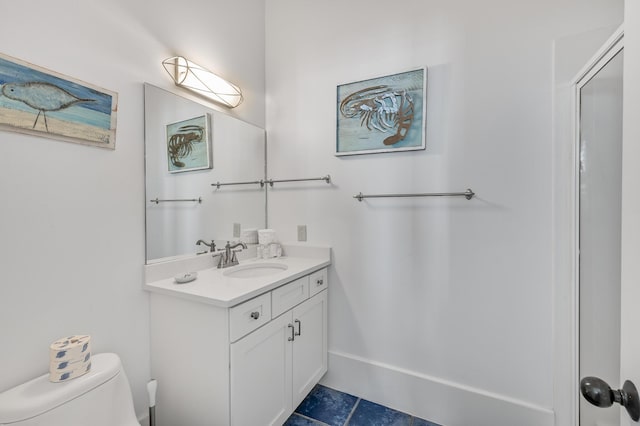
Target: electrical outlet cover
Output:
[{"x": 302, "y": 232}]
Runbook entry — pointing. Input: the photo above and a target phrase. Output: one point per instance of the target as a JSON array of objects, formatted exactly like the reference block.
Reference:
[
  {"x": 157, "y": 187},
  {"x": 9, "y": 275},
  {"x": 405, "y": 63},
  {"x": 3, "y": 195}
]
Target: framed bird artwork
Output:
[{"x": 41, "y": 102}]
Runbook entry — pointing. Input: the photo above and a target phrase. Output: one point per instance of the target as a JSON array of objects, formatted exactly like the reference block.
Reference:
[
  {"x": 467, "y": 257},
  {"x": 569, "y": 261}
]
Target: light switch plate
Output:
[
  {"x": 236, "y": 230},
  {"x": 302, "y": 232}
]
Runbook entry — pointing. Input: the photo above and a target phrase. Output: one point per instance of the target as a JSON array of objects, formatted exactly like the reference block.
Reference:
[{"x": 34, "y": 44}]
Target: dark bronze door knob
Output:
[{"x": 600, "y": 394}]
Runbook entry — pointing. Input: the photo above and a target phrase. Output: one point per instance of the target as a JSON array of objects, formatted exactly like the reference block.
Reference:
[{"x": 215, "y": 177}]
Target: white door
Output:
[
  {"x": 630, "y": 277},
  {"x": 628, "y": 355},
  {"x": 600, "y": 193}
]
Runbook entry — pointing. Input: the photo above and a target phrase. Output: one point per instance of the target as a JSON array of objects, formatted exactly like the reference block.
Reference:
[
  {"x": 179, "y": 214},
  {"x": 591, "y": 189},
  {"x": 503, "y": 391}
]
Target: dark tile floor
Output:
[{"x": 328, "y": 407}]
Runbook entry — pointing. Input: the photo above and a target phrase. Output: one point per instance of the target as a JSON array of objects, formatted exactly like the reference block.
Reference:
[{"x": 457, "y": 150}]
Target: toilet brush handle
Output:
[
  {"x": 152, "y": 387},
  {"x": 152, "y": 416}
]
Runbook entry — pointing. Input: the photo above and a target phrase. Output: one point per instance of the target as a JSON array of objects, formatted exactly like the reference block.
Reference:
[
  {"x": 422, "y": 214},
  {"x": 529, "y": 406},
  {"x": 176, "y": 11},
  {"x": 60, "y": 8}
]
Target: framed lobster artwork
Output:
[
  {"x": 189, "y": 145},
  {"x": 383, "y": 114}
]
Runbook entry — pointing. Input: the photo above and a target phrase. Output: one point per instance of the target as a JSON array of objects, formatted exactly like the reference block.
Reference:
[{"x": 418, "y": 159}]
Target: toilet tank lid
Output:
[{"x": 39, "y": 395}]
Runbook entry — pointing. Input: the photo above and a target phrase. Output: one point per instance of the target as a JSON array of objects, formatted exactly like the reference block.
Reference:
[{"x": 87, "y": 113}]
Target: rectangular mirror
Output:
[{"x": 189, "y": 147}]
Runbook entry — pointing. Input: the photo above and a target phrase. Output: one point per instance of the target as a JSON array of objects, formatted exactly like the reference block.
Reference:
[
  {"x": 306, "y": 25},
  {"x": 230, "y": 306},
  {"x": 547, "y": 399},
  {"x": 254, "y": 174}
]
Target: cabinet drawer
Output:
[
  {"x": 249, "y": 315},
  {"x": 289, "y": 295},
  {"x": 317, "y": 282}
]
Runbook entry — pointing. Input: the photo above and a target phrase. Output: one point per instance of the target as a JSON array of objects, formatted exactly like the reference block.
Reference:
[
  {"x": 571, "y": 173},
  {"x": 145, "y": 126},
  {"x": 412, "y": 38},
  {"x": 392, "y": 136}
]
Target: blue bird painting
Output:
[
  {"x": 42, "y": 97},
  {"x": 41, "y": 102}
]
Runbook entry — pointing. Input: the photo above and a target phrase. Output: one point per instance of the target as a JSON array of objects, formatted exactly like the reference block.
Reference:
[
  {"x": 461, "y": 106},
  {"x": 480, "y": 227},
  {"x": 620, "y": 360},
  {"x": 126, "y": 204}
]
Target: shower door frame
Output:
[{"x": 613, "y": 46}]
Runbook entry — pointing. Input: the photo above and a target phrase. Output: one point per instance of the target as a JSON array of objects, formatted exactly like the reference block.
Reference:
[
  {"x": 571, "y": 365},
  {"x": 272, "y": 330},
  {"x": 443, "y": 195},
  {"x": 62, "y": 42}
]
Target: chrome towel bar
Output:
[
  {"x": 326, "y": 178},
  {"x": 468, "y": 194},
  {"x": 158, "y": 201},
  {"x": 253, "y": 182},
  {"x": 262, "y": 182}
]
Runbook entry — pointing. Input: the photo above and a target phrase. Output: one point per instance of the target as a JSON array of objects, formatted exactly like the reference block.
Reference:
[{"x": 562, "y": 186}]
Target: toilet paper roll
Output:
[
  {"x": 66, "y": 365},
  {"x": 72, "y": 348},
  {"x": 266, "y": 236},
  {"x": 67, "y": 374}
]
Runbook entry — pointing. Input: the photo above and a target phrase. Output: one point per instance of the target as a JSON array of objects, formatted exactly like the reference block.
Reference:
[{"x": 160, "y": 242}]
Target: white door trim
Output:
[{"x": 595, "y": 63}]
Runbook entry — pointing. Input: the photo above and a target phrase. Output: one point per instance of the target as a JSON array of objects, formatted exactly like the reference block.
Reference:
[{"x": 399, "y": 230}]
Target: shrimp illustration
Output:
[
  {"x": 381, "y": 109},
  {"x": 180, "y": 144}
]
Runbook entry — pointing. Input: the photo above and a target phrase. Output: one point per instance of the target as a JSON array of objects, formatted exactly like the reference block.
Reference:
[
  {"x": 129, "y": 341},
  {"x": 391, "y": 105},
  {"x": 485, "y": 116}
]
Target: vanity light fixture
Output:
[{"x": 200, "y": 80}]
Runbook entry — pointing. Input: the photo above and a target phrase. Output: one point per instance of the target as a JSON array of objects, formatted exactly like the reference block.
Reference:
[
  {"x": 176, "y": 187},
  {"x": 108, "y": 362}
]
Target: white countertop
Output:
[{"x": 215, "y": 288}]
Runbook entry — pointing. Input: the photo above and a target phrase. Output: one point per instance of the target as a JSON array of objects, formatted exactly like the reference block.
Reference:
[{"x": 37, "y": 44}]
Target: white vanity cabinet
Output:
[
  {"x": 275, "y": 367},
  {"x": 247, "y": 365}
]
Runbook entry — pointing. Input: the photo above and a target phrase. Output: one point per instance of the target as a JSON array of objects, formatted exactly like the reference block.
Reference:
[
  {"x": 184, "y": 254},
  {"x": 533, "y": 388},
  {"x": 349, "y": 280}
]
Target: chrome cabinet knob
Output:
[
  {"x": 255, "y": 315},
  {"x": 319, "y": 282}
]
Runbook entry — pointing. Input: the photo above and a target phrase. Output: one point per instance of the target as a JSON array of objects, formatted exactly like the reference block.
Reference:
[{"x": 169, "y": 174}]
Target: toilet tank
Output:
[{"x": 101, "y": 397}]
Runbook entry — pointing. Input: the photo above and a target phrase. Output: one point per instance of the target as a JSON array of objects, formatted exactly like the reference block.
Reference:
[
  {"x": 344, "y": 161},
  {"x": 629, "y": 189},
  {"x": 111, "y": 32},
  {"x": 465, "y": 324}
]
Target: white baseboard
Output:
[{"x": 430, "y": 398}]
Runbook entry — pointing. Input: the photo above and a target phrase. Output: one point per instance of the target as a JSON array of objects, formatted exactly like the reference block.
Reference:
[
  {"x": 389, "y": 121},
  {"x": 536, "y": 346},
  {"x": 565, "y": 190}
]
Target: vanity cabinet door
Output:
[
  {"x": 261, "y": 375},
  {"x": 309, "y": 346}
]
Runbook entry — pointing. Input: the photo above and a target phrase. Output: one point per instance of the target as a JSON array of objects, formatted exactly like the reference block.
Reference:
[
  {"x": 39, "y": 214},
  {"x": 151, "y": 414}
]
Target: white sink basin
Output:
[{"x": 255, "y": 270}]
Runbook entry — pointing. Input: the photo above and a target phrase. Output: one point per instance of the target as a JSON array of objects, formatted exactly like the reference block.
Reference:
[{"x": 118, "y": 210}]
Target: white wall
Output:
[
  {"x": 430, "y": 297},
  {"x": 72, "y": 228}
]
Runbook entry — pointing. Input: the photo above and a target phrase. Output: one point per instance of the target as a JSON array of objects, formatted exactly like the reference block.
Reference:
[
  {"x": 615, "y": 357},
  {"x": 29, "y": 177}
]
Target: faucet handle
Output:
[{"x": 220, "y": 256}]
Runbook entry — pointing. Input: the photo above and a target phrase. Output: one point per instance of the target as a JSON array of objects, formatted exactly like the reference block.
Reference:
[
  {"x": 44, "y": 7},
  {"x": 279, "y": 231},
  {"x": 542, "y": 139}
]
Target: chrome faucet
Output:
[
  {"x": 212, "y": 246},
  {"x": 228, "y": 256}
]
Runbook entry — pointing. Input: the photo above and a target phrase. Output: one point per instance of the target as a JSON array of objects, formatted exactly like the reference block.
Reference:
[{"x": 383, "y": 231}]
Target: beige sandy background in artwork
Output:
[{"x": 21, "y": 121}]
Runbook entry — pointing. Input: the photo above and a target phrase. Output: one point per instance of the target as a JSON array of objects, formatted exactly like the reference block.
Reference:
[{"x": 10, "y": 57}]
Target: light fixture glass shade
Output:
[{"x": 194, "y": 77}]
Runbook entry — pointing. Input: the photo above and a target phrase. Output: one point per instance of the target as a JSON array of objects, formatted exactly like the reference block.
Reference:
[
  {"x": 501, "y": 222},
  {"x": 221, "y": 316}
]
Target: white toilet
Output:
[{"x": 101, "y": 397}]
